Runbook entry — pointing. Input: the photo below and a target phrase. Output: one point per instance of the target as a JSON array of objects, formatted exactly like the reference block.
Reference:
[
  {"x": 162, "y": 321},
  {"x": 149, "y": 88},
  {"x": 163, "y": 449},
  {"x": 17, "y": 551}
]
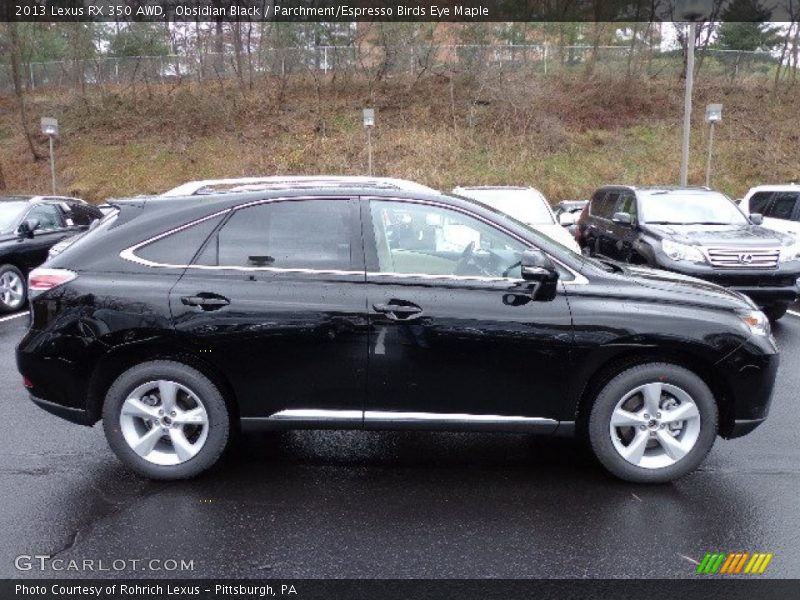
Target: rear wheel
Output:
[
  {"x": 166, "y": 420},
  {"x": 775, "y": 311},
  {"x": 13, "y": 292},
  {"x": 653, "y": 423}
]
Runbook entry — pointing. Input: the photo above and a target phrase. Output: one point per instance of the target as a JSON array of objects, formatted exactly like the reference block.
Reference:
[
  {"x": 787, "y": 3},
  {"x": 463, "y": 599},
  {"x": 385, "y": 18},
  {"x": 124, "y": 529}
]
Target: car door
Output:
[
  {"x": 454, "y": 335},
  {"x": 276, "y": 300},
  {"x": 606, "y": 229},
  {"x": 623, "y": 235},
  {"x": 782, "y": 213},
  {"x": 51, "y": 229}
]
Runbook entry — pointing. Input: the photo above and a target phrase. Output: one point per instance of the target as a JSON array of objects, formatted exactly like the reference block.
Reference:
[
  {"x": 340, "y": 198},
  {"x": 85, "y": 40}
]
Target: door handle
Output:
[
  {"x": 398, "y": 312},
  {"x": 205, "y": 301}
]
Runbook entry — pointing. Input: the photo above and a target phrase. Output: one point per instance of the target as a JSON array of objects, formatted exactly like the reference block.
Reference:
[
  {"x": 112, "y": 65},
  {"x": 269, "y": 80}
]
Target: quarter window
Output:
[
  {"x": 291, "y": 234},
  {"x": 429, "y": 240},
  {"x": 180, "y": 247}
]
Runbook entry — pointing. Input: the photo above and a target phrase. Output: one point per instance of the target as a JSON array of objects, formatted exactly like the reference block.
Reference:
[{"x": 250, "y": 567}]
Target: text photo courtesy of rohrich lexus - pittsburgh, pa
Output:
[{"x": 399, "y": 299}]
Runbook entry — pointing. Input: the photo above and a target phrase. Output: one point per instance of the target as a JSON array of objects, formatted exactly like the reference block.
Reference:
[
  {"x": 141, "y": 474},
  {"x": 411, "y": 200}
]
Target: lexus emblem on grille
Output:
[{"x": 745, "y": 259}]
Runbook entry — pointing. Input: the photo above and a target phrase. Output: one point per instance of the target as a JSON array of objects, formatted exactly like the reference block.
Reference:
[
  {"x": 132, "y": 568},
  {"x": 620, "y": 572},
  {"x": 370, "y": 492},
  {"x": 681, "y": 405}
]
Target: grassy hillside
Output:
[{"x": 563, "y": 136}]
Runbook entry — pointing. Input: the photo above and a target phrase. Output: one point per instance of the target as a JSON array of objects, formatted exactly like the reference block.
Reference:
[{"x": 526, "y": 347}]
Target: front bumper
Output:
[
  {"x": 749, "y": 379},
  {"x": 763, "y": 286}
]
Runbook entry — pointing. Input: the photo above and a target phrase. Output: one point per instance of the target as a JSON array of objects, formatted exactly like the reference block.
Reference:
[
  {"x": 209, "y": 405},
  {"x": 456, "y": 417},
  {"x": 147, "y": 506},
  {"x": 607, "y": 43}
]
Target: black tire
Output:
[
  {"x": 219, "y": 425},
  {"x": 604, "y": 405},
  {"x": 775, "y": 311},
  {"x": 6, "y": 307}
]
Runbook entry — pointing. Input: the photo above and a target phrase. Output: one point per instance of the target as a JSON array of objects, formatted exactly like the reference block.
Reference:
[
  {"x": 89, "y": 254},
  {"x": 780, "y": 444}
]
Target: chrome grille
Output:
[{"x": 737, "y": 258}]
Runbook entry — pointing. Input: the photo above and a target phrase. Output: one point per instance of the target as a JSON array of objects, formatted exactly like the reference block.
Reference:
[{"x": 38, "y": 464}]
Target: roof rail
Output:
[{"x": 244, "y": 184}]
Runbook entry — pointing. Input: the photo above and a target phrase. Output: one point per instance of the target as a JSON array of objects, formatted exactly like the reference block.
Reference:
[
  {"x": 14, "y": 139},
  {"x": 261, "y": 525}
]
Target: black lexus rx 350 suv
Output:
[
  {"x": 697, "y": 232},
  {"x": 29, "y": 226},
  {"x": 177, "y": 321}
]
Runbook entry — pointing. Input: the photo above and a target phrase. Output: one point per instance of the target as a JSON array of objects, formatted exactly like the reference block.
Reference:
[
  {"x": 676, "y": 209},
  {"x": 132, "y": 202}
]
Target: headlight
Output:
[
  {"x": 756, "y": 322},
  {"x": 682, "y": 252},
  {"x": 789, "y": 253}
]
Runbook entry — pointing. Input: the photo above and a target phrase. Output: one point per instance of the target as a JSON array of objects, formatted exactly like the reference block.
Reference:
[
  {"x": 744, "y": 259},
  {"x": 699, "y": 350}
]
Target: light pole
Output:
[
  {"x": 691, "y": 11},
  {"x": 369, "y": 123},
  {"x": 687, "y": 103},
  {"x": 713, "y": 116},
  {"x": 50, "y": 129}
]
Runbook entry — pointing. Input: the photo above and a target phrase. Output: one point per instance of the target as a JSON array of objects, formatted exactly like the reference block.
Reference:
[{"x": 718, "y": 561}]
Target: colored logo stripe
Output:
[{"x": 719, "y": 562}]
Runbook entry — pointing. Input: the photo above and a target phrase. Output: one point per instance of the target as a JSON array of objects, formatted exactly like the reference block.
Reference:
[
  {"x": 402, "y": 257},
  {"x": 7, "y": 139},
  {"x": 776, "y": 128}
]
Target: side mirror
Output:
[
  {"x": 756, "y": 218},
  {"x": 27, "y": 227},
  {"x": 540, "y": 270},
  {"x": 565, "y": 219},
  {"x": 622, "y": 218}
]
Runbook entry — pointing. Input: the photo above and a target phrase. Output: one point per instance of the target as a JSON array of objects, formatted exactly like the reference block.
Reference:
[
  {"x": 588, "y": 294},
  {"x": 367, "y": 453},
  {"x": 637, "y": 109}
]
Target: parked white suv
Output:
[
  {"x": 778, "y": 204},
  {"x": 527, "y": 205}
]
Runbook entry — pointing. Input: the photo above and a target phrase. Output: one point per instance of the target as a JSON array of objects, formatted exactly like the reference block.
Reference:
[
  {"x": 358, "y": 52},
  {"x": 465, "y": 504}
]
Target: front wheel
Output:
[
  {"x": 775, "y": 311},
  {"x": 166, "y": 420},
  {"x": 653, "y": 423},
  {"x": 13, "y": 292}
]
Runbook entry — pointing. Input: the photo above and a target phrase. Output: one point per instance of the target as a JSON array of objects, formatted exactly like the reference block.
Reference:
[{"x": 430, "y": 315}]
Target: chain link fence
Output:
[{"x": 543, "y": 59}]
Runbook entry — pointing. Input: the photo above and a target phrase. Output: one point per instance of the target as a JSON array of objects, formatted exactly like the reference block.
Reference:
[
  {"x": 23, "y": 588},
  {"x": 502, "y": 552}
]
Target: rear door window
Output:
[
  {"x": 783, "y": 205},
  {"x": 300, "y": 234}
]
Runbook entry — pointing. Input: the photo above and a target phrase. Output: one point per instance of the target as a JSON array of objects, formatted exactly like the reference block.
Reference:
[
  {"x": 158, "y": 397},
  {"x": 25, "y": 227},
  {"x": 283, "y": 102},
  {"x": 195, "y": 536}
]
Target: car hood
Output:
[
  {"x": 557, "y": 233},
  {"x": 677, "y": 288},
  {"x": 743, "y": 236}
]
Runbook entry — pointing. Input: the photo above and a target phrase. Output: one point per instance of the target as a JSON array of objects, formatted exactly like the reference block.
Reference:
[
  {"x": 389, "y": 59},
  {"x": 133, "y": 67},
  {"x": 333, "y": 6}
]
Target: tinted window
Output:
[
  {"x": 429, "y": 240},
  {"x": 758, "y": 202},
  {"x": 180, "y": 247},
  {"x": 603, "y": 205},
  {"x": 48, "y": 215},
  {"x": 783, "y": 205},
  {"x": 307, "y": 234},
  {"x": 83, "y": 215}
]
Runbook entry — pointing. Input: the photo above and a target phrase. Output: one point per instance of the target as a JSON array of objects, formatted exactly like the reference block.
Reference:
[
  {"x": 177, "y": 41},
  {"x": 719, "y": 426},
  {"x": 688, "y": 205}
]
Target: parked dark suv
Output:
[
  {"x": 29, "y": 226},
  {"x": 697, "y": 232},
  {"x": 177, "y": 320}
]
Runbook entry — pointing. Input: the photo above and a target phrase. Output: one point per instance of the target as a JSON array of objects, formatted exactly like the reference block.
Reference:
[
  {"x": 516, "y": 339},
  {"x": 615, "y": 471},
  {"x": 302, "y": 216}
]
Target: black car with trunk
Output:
[
  {"x": 29, "y": 227},
  {"x": 696, "y": 232},
  {"x": 178, "y": 322}
]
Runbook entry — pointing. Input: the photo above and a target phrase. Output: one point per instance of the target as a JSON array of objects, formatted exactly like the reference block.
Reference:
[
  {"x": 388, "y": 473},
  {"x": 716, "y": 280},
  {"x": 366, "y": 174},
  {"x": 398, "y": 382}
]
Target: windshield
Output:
[
  {"x": 525, "y": 205},
  {"x": 689, "y": 208},
  {"x": 10, "y": 212}
]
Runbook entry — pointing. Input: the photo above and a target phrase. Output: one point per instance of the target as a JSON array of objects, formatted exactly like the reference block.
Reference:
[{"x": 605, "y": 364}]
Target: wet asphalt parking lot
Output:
[{"x": 394, "y": 504}]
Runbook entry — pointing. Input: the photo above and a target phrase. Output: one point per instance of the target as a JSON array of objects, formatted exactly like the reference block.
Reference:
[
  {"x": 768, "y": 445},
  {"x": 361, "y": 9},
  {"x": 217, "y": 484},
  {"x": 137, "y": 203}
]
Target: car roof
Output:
[
  {"x": 776, "y": 187},
  {"x": 494, "y": 187},
  {"x": 37, "y": 198},
  {"x": 658, "y": 188},
  {"x": 285, "y": 182}
]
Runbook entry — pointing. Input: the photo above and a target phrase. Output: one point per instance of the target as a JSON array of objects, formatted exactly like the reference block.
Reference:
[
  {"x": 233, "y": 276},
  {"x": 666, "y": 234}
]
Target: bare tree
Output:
[{"x": 19, "y": 92}]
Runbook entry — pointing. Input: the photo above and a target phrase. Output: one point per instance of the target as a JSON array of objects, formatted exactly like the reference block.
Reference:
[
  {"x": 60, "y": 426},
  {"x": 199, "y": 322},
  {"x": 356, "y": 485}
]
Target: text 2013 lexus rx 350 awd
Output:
[{"x": 178, "y": 320}]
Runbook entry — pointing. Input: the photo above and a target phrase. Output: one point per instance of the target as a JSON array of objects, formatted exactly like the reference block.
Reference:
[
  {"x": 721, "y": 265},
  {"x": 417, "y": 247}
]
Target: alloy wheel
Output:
[
  {"x": 164, "y": 422},
  {"x": 655, "y": 425},
  {"x": 12, "y": 289}
]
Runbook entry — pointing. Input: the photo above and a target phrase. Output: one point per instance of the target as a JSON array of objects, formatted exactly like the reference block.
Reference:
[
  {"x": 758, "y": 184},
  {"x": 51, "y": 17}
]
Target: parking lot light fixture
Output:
[
  {"x": 50, "y": 129},
  {"x": 713, "y": 116}
]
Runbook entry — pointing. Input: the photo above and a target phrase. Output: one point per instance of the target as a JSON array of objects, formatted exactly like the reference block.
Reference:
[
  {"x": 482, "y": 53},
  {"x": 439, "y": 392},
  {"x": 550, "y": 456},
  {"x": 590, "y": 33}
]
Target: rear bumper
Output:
[{"x": 73, "y": 415}]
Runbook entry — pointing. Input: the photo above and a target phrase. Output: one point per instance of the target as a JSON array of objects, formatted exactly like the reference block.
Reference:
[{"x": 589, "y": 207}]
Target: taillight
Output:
[{"x": 41, "y": 280}]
